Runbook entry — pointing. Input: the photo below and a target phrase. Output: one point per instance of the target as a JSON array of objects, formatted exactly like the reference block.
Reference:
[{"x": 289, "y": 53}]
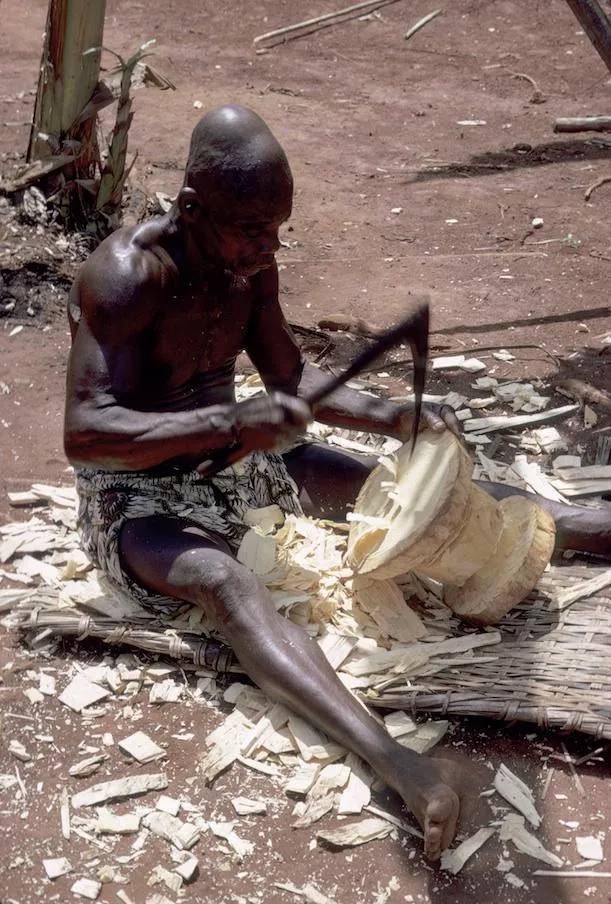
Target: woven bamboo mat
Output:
[
  {"x": 543, "y": 663},
  {"x": 552, "y": 668}
]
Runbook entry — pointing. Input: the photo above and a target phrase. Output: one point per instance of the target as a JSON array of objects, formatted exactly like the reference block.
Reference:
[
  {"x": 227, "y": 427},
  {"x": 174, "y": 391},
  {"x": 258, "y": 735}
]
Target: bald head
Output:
[{"x": 233, "y": 152}]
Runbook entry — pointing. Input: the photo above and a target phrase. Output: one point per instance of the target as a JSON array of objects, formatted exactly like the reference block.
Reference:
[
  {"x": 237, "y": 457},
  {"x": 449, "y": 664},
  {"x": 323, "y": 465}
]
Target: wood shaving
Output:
[
  {"x": 181, "y": 834},
  {"x": 589, "y": 847},
  {"x": 87, "y": 888},
  {"x": 57, "y": 866},
  {"x": 356, "y": 833},
  {"x": 244, "y": 806},
  {"x": 119, "y": 789},
  {"x": 81, "y": 693},
  {"x": 518, "y": 794},
  {"x": 357, "y": 792},
  {"x": 513, "y": 829},
  {"x": 141, "y": 748},
  {"x": 226, "y": 830},
  {"x": 112, "y": 824},
  {"x": 453, "y": 861}
]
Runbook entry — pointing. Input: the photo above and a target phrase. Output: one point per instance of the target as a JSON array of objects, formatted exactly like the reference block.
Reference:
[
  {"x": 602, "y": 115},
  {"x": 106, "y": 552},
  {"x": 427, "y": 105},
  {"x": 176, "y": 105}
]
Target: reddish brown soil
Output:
[{"x": 371, "y": 124}]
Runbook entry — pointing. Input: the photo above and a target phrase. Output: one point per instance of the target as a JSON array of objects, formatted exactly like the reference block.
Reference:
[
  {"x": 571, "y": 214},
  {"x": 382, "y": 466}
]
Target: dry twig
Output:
[
  {"x": 307, "y": 26},
  {"x": 592, "y": 188}
]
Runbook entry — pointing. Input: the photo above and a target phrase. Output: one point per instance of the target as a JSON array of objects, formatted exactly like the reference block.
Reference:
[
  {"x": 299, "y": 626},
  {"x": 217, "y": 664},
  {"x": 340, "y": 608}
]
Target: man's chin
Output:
[{"x": 250, "y": 269}]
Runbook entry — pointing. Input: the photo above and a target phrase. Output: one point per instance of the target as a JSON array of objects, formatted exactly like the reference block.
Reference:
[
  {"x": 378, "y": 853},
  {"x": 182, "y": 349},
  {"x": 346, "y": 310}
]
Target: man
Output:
[{"x": 158, "y": 315}]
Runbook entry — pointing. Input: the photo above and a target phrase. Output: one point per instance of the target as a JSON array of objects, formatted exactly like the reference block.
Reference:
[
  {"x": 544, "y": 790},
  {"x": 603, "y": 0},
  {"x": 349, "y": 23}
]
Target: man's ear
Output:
[{"x": 189, "y": 203}]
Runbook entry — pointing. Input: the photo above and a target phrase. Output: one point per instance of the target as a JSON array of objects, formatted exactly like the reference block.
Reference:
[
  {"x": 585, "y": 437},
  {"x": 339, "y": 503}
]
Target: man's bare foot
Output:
[{"x": 430, "y": 789}]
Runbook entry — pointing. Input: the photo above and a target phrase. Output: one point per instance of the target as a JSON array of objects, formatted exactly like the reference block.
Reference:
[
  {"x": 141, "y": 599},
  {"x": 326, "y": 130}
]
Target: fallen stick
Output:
[
  {"x": 583, "y": 124},
  {"x": 317, "y": 22},
  {"x": 571, "y": 765},
  {"x": 421, "y": 23},
  {"x": 507, "y": 422},
  {"x": 565, "y": 597},
  {"x": 572, "y": 873},
  {"x": 592, "y": 188},
  {"x": 582, "y": 392}
]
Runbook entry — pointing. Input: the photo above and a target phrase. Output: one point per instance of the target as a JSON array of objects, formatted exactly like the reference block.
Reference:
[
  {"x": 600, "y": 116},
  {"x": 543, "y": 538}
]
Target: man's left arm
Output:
[{"x": 274, "y": 351}]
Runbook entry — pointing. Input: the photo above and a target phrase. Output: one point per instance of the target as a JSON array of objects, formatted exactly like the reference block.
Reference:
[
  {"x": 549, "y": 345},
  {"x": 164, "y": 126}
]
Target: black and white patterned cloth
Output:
[{"x": 107, "y": 499}]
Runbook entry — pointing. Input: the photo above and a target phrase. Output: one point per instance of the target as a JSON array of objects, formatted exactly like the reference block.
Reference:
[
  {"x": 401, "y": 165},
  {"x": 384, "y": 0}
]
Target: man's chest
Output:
[{"x": 200, "y": 329}]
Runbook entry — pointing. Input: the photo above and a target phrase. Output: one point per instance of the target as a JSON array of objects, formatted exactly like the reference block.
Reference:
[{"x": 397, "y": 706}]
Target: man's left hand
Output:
[{"x": 433, "y": 417}]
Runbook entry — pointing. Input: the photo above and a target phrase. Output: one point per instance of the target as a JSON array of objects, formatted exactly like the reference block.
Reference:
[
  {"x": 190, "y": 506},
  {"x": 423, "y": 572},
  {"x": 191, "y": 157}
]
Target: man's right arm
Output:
[{"x": 105, "y": 366}]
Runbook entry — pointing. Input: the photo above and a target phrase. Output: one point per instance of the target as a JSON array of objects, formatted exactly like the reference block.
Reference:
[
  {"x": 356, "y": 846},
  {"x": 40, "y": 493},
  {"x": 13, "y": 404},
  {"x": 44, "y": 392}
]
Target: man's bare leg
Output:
[
  {"x": 330, "y": 479},
  {"x": 172, "y": 557},
  {"x": 582, "y": 528}
]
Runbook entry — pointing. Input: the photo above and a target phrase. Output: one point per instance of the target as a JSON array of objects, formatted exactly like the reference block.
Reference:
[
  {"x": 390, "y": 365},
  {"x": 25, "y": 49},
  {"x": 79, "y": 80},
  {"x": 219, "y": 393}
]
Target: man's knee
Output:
[{"x": 218, "y": 583}]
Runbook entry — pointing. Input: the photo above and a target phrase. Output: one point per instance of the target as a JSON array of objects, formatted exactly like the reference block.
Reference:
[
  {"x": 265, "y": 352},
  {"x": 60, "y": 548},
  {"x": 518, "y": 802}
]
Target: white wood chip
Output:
[
  {"x": 453, "y": 861},
  {"x": 531, "y": 474},
  {"x": 57, "y": 866},
  {"x": 172, "y": 880},
  {"x": 141, "y": 747},
  {"x": 182, "y": 835},
  {"x": 518, "y": 794},
  {"x": 311, "y": 743},
  {"x": 257, "y": 552},
  {"x": 572, "y": 873},
  {"x": 265, "y": 518},
  {"x": 303, "y": 779},
  {"x": 356, "y": 833},
  {"x": 168, "y": 805},
  {"x": 425, "y": 737},
  {"x": 308, "y": 892},
  {"x": 167, "y": 691},
  {"x": 87, "y": 888},
  {"x": 562, "y": 598},
  {"x": 17, "y": 749},
  {"x": 88, "y": 766},
  {"x": 80, "y": 693},
  {"x": 322, "y": 796},
  {"x": 589, "y": 847},
  {"x": 119, "y": 789},
  {"x": 506, "y": 422},
  {"x": 398, "y": 723},
  {"x": 336, "y": 647},
  {"x": 514, "y": 880},
  {"x": 124, "y": 897},
  {"x": 46, "y": 684},
  {"x": 64, "y": 813},
  {"x": 112, "y": 824},
  {"x": 244, "y": 806},
  {"x": 187, "y": 869},
  {"x": 268, "y": 724},
  {"x": 33, "y": 695},
  {"x": 225, "y": 830},
  {"x": 385, "y": 603},
  {"x": 357, "y": 792},
  {"x": 513, "y": 829}
]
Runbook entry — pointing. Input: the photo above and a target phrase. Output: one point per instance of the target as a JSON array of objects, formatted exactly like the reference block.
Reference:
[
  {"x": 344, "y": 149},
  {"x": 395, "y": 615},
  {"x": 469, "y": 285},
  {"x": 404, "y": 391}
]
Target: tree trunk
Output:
[{"x": 67, "y": 81}]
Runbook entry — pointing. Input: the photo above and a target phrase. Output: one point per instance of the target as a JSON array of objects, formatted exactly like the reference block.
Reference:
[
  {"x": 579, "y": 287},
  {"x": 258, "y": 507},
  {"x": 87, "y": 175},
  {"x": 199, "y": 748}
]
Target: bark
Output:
[{"x": 68, "y": 78}]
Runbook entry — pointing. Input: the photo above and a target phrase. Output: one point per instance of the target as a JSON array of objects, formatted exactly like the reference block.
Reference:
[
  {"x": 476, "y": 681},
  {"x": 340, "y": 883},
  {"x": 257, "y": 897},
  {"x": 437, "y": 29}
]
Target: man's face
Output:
[
  {"x": 240, "y": 233},
  {"x": 245, "y": 234}
]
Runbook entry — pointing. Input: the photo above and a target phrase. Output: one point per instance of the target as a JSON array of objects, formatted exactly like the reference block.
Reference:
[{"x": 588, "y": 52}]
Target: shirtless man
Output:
[{"x": 158, "y": 315}]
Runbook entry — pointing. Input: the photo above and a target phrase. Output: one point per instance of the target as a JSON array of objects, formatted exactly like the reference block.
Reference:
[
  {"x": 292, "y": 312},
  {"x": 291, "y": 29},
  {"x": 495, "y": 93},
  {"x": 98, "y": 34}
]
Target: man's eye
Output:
[{"x": 252, "y": 231}]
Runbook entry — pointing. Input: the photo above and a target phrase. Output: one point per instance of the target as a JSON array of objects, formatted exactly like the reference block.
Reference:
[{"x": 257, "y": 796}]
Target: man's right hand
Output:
[{"x": 271, "y": 421}]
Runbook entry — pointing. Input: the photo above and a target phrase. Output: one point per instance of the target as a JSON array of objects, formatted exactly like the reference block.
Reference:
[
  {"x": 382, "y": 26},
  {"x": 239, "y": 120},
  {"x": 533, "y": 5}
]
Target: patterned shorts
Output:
[{"x": 108, "y": 499}]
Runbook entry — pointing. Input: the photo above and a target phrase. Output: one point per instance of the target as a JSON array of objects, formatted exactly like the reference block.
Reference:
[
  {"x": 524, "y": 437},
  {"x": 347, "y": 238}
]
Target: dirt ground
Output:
[{"x": 419, "y": 166}]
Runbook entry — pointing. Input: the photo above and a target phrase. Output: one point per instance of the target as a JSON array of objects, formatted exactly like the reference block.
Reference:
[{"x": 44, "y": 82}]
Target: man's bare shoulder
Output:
[{"x": 124, "y": 278}]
